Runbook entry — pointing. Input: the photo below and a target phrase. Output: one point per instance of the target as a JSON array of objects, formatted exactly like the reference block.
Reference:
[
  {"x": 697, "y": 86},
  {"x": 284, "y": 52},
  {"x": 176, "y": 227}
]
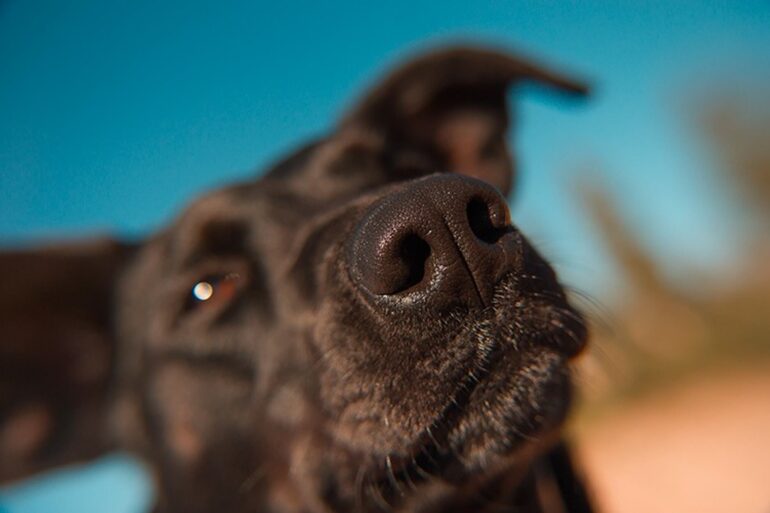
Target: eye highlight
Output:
[{"x": 203, "y": 291}]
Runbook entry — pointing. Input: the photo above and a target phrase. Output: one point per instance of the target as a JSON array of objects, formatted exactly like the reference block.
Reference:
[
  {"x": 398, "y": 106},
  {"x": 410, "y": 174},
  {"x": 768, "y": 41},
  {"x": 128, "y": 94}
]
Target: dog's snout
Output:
[{"x": 445, "y": 238}]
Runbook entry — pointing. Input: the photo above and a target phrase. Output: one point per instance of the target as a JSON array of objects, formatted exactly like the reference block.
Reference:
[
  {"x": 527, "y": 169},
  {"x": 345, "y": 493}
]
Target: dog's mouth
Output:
[{"x": 514, "y": 396}]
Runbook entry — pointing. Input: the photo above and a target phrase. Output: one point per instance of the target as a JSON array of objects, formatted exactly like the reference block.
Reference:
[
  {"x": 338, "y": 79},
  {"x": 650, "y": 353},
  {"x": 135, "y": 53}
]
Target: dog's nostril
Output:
[
  {"x": 413, "y": 252},
  {"x": 482, "y": 224},
  {"x": 441, "y": 241}
]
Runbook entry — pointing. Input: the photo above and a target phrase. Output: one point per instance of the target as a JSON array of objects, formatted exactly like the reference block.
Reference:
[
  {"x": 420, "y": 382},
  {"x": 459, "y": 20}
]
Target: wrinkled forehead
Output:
[
  {"x": 323, "y": 176},
  {"x": 231, "y": 221}
]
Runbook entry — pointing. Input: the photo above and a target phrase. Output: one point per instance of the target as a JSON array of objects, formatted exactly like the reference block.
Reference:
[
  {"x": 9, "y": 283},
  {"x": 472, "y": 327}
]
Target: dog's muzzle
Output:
[{"x": 441, "y": 240}]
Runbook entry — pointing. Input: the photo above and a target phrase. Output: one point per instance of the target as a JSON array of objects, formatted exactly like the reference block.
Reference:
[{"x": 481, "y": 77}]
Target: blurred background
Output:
[{"x": 652, "y": 199}]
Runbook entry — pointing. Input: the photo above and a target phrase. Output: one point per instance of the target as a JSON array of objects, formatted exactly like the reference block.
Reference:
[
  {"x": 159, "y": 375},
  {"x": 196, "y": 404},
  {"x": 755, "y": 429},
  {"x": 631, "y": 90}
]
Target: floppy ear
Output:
[
  {"x": 448, "y": 110},
  {"x": 56, "y": 354}
]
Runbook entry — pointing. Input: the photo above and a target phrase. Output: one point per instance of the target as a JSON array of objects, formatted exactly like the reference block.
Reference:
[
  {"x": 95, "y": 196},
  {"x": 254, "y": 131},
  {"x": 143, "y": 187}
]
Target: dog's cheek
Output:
[
  {"x": 25, "y": 431},
  {"x": 382, "y": 389},
  {"x": 196, "y": 410}
]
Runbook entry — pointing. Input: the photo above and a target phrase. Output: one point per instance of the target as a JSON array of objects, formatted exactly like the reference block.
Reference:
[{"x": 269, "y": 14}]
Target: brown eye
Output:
[{"x": 215, "y": 289}]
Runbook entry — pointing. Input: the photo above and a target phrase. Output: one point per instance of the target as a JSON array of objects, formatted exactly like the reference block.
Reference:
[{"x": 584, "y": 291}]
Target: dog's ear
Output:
[
  {"x": 56, "y": 353},
  {"x": 449, "y": 108}
]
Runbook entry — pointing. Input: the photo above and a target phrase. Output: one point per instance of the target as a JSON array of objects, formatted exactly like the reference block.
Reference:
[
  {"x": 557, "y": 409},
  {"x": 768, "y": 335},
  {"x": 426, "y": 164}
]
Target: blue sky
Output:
[{"x": 114, "y": 114}]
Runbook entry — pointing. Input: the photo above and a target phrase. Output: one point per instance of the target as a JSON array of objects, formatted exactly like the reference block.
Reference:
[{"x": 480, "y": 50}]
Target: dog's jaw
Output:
[{"x": 504, "y": 411}]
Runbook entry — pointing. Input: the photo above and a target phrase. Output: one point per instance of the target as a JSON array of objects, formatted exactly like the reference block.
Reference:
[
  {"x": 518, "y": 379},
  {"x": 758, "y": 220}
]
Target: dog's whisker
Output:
[
  {"x": 392, "y": 476},
  {"x": 378, "y": 498},
  {"x": 408, "y": 478},
  {"x": 251, "y": 481},
  {"x": 436, "y": 443},
  {"x": 360, "y": 482},
  {"x": 597, "y": 311},
  {"x": 423, "y": 474}
]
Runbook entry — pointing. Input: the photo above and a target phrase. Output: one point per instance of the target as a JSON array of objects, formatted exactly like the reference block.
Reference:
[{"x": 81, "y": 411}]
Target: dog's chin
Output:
[
  {"x": 512, "y": 400},
  {"x": 511, "y": 415},
  {"x": 507, "y": 411},
  {"x": 511, "y": 404}
]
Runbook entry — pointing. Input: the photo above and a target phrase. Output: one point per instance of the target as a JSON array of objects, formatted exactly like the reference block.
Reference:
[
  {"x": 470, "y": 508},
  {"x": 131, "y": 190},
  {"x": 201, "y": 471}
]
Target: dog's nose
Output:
[{"x": 444, "y": 238}]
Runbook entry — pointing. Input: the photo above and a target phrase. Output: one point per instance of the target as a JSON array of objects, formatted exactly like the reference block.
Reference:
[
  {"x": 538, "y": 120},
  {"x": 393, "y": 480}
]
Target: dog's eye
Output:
[{"x": 215, "y": 290}]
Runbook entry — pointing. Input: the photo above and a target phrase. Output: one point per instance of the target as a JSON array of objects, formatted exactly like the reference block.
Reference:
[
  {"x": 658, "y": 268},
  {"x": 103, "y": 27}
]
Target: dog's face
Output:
[{"x": 361, "y": 328}]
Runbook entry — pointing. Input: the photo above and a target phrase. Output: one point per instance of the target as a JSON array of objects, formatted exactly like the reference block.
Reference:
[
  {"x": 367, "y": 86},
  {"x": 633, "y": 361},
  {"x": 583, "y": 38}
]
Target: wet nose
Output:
[{"x": 444, "y": 239}]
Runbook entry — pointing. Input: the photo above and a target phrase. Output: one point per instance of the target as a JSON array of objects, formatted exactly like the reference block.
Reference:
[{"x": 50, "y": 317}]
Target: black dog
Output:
[{"x": 355, "y": 331}]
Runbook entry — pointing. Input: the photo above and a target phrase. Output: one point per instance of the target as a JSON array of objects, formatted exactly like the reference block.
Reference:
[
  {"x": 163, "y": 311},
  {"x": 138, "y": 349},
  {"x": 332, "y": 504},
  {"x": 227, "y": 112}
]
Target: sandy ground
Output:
[{"x": 702, "y": 447}]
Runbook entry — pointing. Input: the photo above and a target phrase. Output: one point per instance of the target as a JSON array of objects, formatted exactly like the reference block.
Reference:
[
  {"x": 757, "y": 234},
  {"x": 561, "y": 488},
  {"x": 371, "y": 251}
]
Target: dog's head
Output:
[{"x": 363, "y": 327}]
